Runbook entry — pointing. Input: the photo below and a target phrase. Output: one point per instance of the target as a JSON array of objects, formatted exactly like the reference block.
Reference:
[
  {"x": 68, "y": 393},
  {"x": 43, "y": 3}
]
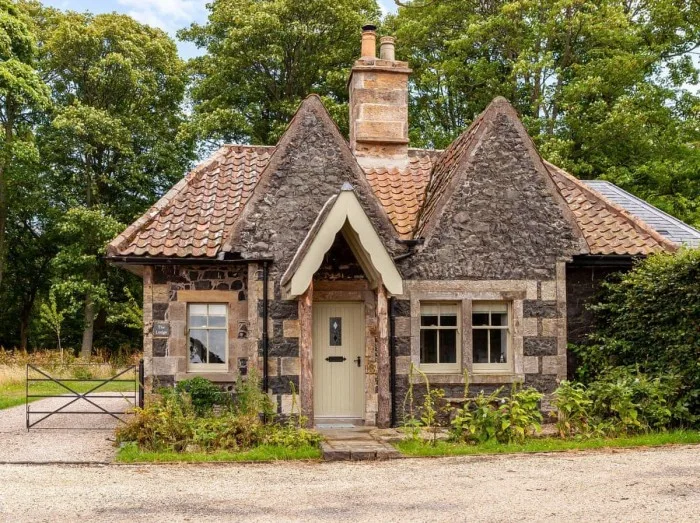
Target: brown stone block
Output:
[
  {"x": 549, "y": 290},
  {"x": 551, "y": 327},
  {"x": 385, "y": 80},
  {"x": 160, "y": 293},
  {"x": 383, "y": 113},
  {"x": 379, "y": 131},
  {"x": 531, "y": 364},
  {"x": 362, "y": 96},
  {"x": 402, "y": 326},
  {"x": 177, "y": 347},
  {"x": 553, "y": 365},
  {"x": 177, "y": 311},
  {"x": 290, "y": 366},
  {"x": 290, "y": 328}
]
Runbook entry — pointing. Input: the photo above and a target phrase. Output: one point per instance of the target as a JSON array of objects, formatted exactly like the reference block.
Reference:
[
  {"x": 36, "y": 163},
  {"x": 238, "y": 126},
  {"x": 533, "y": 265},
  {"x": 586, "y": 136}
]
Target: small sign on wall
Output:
[{"x": 161, "y": 329}]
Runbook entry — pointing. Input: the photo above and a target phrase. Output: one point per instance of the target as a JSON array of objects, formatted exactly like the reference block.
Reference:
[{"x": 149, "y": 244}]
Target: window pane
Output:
[
  {"x": 217, "y": 321},
  {"x": 217, "y": 309},
  {"x": 480, "y": 344},
  {"x": 428, "y": 346},
  {"x": 335, "y": 335},
  {"x": 217, "y": 346},
  {"x": 498, "y": 345},
  {"x": 198, "y": 309},
  {"x": 499, "y": 318},
  {"x": 480, "y": 318},
  {"x": 197, "y": 321},
  {"x": 448, "y": 320},
  {"x": 448, "y": 346},
  {"x": 198, "y": 342},
  {"x": 429, "y": 321}
]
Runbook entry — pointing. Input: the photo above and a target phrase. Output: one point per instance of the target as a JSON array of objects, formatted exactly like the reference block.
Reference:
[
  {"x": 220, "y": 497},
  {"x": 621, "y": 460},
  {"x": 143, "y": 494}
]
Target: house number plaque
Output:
[{"x": 161, "y": 329}]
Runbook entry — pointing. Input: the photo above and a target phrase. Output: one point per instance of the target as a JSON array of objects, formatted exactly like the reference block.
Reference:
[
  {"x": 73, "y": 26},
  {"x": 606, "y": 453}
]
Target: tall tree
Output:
[
  {"x": 602, "y": 85},
  {"x": 22, "y": 93},
  {"x": 111, "y": 143},
  {"x": 264, "y": 56}
]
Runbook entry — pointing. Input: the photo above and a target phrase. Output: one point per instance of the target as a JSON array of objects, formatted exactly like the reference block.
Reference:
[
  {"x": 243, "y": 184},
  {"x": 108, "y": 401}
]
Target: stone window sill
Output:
[{"x": 474, "y": 379}]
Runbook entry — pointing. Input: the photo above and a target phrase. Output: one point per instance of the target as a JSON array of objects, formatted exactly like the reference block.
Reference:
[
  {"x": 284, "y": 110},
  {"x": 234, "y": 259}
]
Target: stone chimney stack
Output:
[{"x": 379, "y": 103}]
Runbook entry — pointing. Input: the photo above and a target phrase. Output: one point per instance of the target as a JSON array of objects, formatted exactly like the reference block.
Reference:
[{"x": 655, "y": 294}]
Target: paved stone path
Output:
[
  {"x": 66, "y": 438},
  {"x": 355, "y": 444}
]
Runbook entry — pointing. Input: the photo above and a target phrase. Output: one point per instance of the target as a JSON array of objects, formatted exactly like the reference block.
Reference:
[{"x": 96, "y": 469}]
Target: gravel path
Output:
[
  {"x": 60, "y": 438},
  {"x": 633, "y": 485}
]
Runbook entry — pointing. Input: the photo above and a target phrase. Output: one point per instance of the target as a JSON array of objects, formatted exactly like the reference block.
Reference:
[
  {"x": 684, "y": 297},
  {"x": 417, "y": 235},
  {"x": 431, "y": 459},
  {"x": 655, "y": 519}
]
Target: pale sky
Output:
[{"x": 169, "y": 15}]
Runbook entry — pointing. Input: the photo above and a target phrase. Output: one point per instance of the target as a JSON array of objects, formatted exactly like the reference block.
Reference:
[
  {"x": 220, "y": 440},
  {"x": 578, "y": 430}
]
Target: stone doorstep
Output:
[{"x": 357, "y": 446}]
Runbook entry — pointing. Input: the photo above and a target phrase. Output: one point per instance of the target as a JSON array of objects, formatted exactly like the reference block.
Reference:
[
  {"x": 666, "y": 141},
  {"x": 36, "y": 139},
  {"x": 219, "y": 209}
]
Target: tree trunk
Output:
[{"x": 88, "y": 330}]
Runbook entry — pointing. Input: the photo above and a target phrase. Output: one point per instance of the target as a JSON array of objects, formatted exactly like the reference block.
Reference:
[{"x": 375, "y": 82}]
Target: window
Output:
[
  {"x": 490, "y": 336},
  {"x": 207, "y": 328},
  {"x": 439, "y": 337}
]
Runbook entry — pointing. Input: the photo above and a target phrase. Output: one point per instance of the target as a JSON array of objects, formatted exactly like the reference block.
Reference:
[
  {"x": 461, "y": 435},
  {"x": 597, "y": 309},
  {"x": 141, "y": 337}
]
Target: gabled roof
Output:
[
  {"x": 450, "y": 168},
  {"x": 666, "y": 225},
  {"x": 194, "y": 216},
  {"x": 342, "y": 214},
  {"x": 197, "y": 216},
  {"x": 608, "y": 228}
]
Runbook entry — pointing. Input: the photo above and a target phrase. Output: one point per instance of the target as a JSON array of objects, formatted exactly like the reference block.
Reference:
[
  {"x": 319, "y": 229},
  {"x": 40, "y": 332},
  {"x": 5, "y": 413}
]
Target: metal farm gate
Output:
[{"x": 82, "y": 390}]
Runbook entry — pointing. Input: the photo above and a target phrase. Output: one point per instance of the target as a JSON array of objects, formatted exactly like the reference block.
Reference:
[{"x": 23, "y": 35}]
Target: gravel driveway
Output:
[
  {"x": 633, "y": 485},
  {"x": 61, "y": 438}
]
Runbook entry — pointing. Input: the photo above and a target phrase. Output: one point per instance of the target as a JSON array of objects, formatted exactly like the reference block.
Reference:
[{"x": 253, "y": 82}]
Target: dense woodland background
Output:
[{"x": 100, "y": 116}]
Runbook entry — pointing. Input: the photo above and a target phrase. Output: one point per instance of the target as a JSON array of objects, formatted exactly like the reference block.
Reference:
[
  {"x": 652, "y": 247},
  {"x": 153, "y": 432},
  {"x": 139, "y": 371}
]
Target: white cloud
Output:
[{"x": 169, "y": 15}]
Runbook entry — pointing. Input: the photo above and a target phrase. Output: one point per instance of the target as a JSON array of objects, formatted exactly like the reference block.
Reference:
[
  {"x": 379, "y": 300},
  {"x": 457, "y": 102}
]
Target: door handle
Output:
[{"x": 358, "y": 360}]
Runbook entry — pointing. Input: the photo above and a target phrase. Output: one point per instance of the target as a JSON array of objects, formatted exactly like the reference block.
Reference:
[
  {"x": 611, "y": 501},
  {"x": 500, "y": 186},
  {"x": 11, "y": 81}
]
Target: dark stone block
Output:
[
  {"x": 202, "y": 285},
  {"x": 539, "y": 309},
  {"x": 159, "y": 310},
  {"x": 401, "y": 308},
  {"x": 284, "y": 310},
  {"x": 213, "y": 275},
  {"x": 402, "y": 346},
  {"x": 545, "y": 383},
  {"x": 160, "y": 347},
  {"x": 284, "y": 347},
  {"x": 242, "y": 296},
  {"x": 237, "y": 285},
  {"x": 280, "y": 384},
  {"x": 222, "y": 286},
  {"x": 539, "y": 346}
]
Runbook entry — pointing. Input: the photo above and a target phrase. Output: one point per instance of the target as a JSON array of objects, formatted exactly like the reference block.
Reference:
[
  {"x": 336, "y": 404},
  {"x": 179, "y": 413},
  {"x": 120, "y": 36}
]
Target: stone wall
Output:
[
  {"x": 167, "y": 290},
  {"x": 502, "y": 222}
]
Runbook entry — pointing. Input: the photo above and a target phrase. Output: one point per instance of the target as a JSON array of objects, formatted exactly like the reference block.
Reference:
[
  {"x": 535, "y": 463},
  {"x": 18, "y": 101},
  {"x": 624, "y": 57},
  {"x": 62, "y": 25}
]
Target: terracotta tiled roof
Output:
[
  {"x": 193, "y": 217},
  {"x": 401, "y": 190},
  {"x": 607, "y": 228}
]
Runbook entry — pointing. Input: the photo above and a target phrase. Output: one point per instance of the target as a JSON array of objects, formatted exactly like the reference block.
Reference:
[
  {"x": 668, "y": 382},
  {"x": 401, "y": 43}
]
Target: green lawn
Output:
[
  {"x": 444, "y": 448},
  {"x": 131, "y": 454},
  {"x": 13, "y": 394}
]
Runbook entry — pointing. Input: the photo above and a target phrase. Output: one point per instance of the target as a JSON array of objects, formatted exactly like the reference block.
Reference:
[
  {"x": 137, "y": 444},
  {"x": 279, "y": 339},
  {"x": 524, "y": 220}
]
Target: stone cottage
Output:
[{"x": 335, "y": 264}]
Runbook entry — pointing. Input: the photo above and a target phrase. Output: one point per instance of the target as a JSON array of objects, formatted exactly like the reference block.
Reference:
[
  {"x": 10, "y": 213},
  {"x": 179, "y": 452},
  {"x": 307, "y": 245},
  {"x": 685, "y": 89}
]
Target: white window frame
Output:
[
  {"x": 208, "y": 367},
  {"x": 436, "y": 309},
  {"x": 499, "y": 307}
]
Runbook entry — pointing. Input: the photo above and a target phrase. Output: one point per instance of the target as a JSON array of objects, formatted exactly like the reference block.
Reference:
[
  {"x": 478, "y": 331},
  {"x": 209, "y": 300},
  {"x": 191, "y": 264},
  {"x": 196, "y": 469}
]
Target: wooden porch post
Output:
[
  {"x": 306, "y": 354},
  {"x": 383, "y": 363}
]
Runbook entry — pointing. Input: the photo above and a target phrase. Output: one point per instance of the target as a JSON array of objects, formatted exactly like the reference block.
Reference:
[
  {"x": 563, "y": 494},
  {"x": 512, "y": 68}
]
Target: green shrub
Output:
[
  {"x": 203, "y": 393},
  {"x": 650, "y": 318},
  {"x": 173, "y": 422},
  {"x": 505, "y": 419},
  {"x": 573, "y": 409},
  {"x": 622, "y": 401}
]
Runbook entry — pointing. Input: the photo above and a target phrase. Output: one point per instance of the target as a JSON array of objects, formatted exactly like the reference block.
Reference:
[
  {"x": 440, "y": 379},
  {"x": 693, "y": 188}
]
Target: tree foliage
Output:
[
  {"x": 602, "y": 85},
  {"x": 264, "y": 56},
  {"x": 650, "y": 319}
]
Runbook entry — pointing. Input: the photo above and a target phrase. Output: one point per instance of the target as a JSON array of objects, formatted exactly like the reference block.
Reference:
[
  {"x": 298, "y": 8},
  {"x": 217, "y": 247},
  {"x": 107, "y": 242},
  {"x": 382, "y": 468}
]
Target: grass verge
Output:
[
  {"x": 444, "y": 448},
  {"x": 13, "y": 394},
  {"x": 131, "y": 454}
]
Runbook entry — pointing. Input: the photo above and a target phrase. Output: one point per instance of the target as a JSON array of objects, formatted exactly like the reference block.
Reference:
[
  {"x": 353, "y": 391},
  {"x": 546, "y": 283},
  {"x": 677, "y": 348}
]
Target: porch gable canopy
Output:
[{"x": 342, "y": 213}]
